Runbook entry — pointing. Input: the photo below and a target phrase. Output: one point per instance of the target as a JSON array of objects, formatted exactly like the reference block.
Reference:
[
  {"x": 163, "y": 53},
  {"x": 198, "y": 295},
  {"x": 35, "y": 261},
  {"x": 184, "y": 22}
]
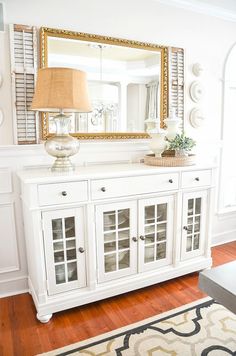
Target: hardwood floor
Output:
[{"x": 22, "y": 334}]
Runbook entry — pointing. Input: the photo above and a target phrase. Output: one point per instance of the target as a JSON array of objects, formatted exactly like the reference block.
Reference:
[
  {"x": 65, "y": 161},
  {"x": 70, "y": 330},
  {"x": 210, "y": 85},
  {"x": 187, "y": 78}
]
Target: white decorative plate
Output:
[
  {"x": 196, "y": 91},
  {"x": 197, "y": 69},
  {"x": 196, "y": 118}
]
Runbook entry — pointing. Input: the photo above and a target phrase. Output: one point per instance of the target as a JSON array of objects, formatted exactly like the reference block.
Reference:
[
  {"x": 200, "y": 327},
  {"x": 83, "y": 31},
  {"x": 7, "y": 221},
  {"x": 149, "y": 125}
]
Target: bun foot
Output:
[{"x": 44, "y": 318}]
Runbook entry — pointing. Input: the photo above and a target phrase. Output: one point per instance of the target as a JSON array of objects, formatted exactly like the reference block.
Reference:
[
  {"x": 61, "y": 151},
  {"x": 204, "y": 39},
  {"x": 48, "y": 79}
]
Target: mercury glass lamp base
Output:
[
  {"x": 62, "y": 145},
  {"x": 62, "y": 164}
]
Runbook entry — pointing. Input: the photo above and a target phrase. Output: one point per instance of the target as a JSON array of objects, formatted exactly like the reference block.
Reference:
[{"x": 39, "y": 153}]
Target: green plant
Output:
[{"x": 181, "y": 142}]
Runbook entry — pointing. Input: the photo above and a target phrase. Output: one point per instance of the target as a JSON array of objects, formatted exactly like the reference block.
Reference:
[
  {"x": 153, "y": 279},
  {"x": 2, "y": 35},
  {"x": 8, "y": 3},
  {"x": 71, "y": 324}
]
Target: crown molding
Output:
[{"x": 202, "y": 8}]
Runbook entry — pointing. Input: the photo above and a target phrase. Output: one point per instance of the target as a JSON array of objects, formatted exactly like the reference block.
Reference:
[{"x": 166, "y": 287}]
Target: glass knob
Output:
[
  {"x": 64, "y": 193},
  {"x": 170, "y": 180},
  {"x": 103, "y": 189},
  {"x": 81, "y": 249},
  {"x": 134, "y": 239},
  {"x": 142, "y": 237}
]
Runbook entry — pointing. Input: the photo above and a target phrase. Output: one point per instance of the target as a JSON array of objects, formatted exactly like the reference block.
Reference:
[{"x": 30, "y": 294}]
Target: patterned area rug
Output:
[{"x": 203, "y": 328}]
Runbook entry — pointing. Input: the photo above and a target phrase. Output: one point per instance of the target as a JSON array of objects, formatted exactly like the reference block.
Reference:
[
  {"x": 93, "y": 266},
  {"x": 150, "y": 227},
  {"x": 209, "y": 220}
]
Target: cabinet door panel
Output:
[
  {"x": 193, "y": 224},
  {"x": 64, "y": 239},
  {"x": 117, "y": 250},
  {"x": 156, "y": 221}
]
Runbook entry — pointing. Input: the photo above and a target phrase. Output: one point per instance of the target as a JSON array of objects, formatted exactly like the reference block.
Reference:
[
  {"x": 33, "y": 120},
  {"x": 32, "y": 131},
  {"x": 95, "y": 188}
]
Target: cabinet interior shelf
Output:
[
  {"x": 66, "y": 249},
  {"x": 193, "y": 215},
  {"x": 116, "y": 251},
  {"x": 114, "y": 230},
  {"x": 156, "y": 223},
  {"x": 119, "y": 239},
  {"x": 64, "y": 262}
]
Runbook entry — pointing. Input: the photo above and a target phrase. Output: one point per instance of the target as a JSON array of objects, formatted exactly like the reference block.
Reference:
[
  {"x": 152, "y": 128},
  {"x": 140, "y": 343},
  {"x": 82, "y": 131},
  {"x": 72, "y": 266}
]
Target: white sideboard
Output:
[{"x": 108, "y": 229}]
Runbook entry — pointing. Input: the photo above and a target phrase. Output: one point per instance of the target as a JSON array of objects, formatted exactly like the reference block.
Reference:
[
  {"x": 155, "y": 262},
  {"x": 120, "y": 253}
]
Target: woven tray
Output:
[{"x": 151, "y": 160}]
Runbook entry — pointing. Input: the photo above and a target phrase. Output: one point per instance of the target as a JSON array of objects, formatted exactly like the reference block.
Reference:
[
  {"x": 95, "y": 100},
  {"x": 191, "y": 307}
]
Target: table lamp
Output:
[{"x": 62, "y": 91}]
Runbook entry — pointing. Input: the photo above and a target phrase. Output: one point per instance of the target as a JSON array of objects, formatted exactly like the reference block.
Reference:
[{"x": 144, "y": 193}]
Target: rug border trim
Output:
[{"x": 123, "y": 328}]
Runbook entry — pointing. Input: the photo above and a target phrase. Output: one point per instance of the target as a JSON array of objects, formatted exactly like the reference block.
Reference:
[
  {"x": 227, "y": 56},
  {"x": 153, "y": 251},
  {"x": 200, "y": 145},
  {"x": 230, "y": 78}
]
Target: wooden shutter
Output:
[
  {"x": 177, "y": 82},
  {"x": 23, "y": 43}
]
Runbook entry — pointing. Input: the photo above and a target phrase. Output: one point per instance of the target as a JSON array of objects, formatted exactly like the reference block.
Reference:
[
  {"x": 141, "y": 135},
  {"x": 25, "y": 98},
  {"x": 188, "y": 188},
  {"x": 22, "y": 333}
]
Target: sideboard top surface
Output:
[{"x": 43, "y": 175}]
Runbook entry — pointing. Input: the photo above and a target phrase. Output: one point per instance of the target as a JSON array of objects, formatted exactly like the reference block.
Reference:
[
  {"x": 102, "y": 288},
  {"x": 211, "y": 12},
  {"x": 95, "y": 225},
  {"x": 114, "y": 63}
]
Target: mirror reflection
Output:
[{"x": 124, "y": 84}]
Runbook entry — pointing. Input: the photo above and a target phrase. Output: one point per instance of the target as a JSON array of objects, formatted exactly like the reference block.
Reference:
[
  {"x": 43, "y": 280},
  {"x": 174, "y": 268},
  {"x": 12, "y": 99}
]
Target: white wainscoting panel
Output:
[
  {"x": 5, "y": 180},
  {"x": 9, "y": 261}
]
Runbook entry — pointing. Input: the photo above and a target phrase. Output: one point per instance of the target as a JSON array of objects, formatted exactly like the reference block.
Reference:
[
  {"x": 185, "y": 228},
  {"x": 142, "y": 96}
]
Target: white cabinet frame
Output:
[
  {"x": 170, "y": 224},
  {"x": 203, "y": 195},
  {"x": 47, "y": 218},
  {"x": 172, "y": 186},
  {"x": 100, "y": 210}
]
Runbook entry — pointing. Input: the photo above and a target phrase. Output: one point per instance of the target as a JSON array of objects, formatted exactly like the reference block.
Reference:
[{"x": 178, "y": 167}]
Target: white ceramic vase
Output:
[
  {"x": 172, "y": 123},
  {"x": 158, "y": 142}
]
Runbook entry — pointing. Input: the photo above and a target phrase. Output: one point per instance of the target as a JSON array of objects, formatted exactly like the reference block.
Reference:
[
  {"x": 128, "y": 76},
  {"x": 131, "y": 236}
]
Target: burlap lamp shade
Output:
[{"x": 61, "y": 89}]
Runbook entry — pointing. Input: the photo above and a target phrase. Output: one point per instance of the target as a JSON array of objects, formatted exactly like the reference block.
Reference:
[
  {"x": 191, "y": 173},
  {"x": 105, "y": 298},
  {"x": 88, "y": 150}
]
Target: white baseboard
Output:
[
  {"x": 223, "y": 238},
  {"x": 13, "y": 286}
]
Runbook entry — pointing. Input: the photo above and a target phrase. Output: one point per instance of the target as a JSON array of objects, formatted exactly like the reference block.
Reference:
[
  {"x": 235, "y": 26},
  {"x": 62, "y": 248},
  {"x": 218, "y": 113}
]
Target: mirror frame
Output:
[{"x": 46, "y": 32}]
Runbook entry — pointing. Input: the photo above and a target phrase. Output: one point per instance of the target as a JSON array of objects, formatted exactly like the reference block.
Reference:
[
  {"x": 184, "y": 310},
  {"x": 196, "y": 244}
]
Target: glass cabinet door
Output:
[
  {"x": 64, "y": 249},
  {"x": 155, "y": 232},
  {"x": 193, "y": 224},
  {"x": 116, "y": 240}
]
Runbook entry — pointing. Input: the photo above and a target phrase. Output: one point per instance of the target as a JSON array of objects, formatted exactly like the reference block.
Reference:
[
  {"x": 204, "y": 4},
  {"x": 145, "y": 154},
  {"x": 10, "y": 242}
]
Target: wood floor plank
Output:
[{"x": 22, "y": 335}]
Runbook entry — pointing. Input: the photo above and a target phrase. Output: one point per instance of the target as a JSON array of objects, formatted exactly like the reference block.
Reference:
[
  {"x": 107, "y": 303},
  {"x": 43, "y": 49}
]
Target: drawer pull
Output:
[
  {"x": 81, "y": 249},
  {"x": 103, "y": 189},
  {"x": 64, "y": 193},
  {"x": 171, "y": 181},
  {"x": 197, "y": 179},
  {"x": 134, "y": 239},
  {"x": 142, "y": 237}
]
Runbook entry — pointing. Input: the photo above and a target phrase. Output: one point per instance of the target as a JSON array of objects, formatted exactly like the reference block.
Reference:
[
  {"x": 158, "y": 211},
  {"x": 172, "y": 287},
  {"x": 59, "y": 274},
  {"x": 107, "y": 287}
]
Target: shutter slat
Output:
[
  {"x": 177, "y": 83},
  {"x": 23, "y": 66}
]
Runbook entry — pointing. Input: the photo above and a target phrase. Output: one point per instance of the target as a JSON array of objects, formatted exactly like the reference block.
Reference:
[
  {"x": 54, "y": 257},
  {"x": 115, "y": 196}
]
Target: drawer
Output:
[
  {"x": 196, "y": 179},
  {"x": 60, "y": 193},
  {"x": 117, "y": 187}
]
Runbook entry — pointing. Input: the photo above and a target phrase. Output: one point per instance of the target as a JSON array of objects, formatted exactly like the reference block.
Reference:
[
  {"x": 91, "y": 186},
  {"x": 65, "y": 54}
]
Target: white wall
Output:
[{"x": 205, "y": 39}]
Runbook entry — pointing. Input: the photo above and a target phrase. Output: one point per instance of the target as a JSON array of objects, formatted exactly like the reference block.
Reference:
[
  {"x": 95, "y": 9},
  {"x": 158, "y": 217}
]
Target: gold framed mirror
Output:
[{"x": 128, "y": 83}]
